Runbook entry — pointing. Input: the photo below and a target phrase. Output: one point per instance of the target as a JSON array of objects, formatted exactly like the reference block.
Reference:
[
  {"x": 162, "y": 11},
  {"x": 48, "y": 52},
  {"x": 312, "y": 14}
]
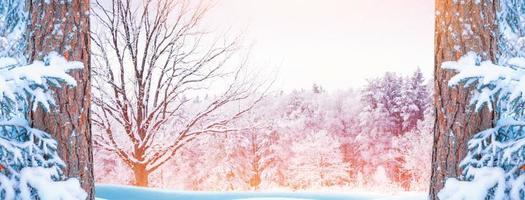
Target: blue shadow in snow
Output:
[{"x": 115, "y": 192}]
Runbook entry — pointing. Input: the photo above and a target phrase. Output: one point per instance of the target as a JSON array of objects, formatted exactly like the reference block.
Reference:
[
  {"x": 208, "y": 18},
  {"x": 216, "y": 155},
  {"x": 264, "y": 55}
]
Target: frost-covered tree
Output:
[
  {"x": 392, "y": 107},
  {"x": 247, "y": 159},
  {"x": 342, "y": 121},
  {"x": 253, "y": 155},
  {"x": 206, "y": 164},
  {"x": 150, "y": 58},
  {"x": 316, "y": 162},
  {"x": 414, "y": 100},
  {"x": 373, "y": 140},
  {"x": 379, "y": 121},
  {"x": 259, "y": 154},
  {"x": 415, "y": 150},
  {"x": 30, "y": 167},
  {"x": 256, "y": 155},
  {"x": 383, "y": 96},
  {"x": 304, "y": 108},
  {"x": 110, "y": 170}
]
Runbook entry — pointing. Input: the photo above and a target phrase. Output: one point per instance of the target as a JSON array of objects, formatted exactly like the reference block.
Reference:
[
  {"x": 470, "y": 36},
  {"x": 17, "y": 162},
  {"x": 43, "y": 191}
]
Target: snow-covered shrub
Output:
[
  {"x": 29, "y": 164},
  {"x": 494, "y": 165}
]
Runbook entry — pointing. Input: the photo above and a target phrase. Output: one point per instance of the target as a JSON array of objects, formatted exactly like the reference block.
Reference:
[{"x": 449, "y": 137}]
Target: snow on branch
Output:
[
  {"x": 34, "y": 80},
  {"x": 493, "y": 167},
  {"x": 29, "y": 163},
  {"x": 490, "y": 80}
]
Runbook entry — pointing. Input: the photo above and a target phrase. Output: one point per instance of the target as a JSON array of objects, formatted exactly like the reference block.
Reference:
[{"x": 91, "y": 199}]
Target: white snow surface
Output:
[
  {"x": 116, "y": 192},
  {"x": 271, "y": 198},
  {"x": 485, "y": 178}
]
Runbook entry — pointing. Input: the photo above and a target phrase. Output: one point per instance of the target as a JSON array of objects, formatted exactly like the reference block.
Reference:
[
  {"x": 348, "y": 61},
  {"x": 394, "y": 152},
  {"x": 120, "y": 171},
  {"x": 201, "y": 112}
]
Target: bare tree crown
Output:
[{"x": 148, "y": 56}]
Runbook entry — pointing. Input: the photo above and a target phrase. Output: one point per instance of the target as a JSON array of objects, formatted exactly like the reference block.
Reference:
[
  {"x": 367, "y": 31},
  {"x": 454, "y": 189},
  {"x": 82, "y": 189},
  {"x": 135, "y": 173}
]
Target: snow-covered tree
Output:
[
  {"x": 150, "y": 58},
  {"x": 110, "y": 170},
  {"x": 259, "y": 154},
  {"x": 316, "y": 162},
  {"x": 414, "y": 100},
  {"x": 382, "y": 96},
  {"x": 207, "y": 164},
  {"x": 379, "y": 121},
  {"x": 373, "y": 140},
  {"x": 493, "y": 167},
  {"x": 342, "y": 121},
  {"x": 460, "y": 27},
  {"x": 64, "y": 27},
  {"x": 252, "y": 155},
  {"x": 13, "y": 22},
  {"x": 392, "y": 107},
  {"x": 29, "y": 164},
  {"x": 415, "y": 150},
  {"x": 30, "y": 167},
  {"x": 256, "y": 155}
]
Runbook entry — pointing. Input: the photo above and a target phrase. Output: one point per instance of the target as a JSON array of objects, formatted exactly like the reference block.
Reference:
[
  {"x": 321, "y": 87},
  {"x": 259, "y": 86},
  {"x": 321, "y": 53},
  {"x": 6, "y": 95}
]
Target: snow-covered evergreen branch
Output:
[
  {"x": 30, "y": 167},
  {"x": 493, "y": 167},
  {"x": 29, "y": 163}
]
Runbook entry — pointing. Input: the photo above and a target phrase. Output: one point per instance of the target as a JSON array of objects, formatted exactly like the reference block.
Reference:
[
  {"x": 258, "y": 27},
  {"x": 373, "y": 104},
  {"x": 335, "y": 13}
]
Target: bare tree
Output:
[{"x": 148, "y": 57}]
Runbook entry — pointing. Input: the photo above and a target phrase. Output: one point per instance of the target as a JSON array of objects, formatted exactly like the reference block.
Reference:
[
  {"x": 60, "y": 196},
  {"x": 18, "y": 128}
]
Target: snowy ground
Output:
[{"x": 112, "y": 192}]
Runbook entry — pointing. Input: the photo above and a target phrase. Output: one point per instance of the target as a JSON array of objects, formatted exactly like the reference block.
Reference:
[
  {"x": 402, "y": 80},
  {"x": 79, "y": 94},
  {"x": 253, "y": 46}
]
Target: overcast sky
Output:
[{"x": 335, "y": 43}]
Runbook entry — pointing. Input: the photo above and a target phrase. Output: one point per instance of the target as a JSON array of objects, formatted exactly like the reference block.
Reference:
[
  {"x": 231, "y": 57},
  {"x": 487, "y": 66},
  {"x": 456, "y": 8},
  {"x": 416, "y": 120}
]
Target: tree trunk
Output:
[
  {"x": 63, "y": 27},
  {"x": 461, "y": 27},
  {"x": 141, "y": 175}
]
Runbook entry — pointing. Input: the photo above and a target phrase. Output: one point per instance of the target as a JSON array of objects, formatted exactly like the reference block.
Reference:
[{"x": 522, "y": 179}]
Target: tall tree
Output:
[
  {"x": 414, "y": 100},
  {"x": 63, "y": 27},
  {"x": 460, "y": 27},
  {"x": 148, "y": 57}
]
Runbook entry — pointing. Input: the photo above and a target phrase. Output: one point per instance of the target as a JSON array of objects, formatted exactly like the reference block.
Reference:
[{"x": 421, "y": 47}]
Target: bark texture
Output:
[
  {"x": 461, "y": 27},
  {"x": 63, "y": 27},
  {"x": 141, "y": 175}
]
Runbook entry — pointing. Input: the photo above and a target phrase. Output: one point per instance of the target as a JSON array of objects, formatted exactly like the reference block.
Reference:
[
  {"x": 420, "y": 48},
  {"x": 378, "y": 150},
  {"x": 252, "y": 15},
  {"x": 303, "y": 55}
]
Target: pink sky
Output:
[{"x": 336, "y": 43}]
